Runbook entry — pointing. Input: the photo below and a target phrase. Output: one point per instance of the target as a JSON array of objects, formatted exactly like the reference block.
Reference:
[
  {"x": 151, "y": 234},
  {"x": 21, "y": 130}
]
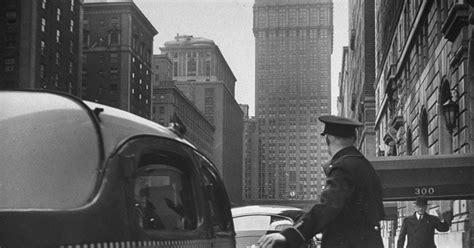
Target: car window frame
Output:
[
  {"x": 132, "y": 152},
  {"x": 208, "y": 169}
]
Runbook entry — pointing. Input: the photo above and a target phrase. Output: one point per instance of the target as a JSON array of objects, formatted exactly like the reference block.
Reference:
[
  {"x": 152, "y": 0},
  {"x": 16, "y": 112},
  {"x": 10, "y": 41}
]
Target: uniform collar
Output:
[{"x": 344, "y": 151}]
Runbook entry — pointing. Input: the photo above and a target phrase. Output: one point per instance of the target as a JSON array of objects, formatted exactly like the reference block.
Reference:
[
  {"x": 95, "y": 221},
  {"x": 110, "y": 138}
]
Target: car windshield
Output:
[
  {"x": 261, "y": 222},
  {"x": 50, "y": 152}
]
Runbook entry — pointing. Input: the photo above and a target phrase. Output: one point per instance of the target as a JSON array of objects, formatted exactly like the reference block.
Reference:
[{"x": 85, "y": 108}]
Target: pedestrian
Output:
[
  {"x": 350, "y": 206},
  {"x": 420, "y": 227}
]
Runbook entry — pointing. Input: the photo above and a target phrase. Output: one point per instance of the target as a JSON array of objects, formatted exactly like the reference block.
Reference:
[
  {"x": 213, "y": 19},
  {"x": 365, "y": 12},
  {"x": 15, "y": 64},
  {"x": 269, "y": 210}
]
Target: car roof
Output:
[
  {"x": 265, "y": 209},
  {"x": 118, "y": 126}
]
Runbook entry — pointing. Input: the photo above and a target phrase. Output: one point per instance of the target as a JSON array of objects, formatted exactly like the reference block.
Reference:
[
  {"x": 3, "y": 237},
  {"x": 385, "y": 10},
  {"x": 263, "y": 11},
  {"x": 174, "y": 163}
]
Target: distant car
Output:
[
  {"x": 80, "y": 174},
  {"x": 252, "y": 222}
]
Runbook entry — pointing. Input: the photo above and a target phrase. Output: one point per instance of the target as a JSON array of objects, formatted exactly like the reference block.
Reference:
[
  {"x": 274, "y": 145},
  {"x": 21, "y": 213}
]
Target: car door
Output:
[{"x": 166, "y": 205}]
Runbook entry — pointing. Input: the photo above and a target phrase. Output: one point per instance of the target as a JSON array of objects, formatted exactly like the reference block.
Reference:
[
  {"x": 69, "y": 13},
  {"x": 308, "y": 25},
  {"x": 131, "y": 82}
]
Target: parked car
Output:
[
  {"x": 80, "y": 174},
  {"x": 252, "y": 222}
]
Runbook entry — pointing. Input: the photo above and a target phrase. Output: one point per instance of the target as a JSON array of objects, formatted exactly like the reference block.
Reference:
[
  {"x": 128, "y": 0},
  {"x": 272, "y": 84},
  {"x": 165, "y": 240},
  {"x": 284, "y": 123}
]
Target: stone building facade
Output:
[
  {"x": 359, "y": 93},
  {"x": 117, "y": 54},
  {"x": 203, "y": 75},
  {"x": 40, "y": 45},
  {"x": 423, "y": 60},
  {"x": 168, "y": 101}
]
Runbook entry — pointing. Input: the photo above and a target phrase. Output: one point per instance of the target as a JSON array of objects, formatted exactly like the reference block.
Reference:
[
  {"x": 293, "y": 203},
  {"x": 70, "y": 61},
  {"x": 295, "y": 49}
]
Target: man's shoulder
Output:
[
  {"x": 410, "y": 217},
  {"x": 350, "y": 161},
  {"x": 431, "y": 216}
]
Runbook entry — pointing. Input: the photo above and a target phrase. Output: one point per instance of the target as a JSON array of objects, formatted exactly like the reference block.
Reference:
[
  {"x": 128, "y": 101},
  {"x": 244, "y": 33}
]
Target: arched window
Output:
[
  {"x": 423, "y": 133},
  {"x": 409, "y": 140},
  {"x": 191, "y": 67},
  {"x": 445, "y": 142}
]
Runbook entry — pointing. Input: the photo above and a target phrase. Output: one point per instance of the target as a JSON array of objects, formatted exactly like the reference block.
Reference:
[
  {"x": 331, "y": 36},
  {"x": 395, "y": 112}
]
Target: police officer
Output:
[{"x": 350, "y": 206}]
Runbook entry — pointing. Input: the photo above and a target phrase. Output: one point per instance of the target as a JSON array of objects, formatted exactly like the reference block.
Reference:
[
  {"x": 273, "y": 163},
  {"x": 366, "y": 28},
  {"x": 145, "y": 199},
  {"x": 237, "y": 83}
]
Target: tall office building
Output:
[
  {"x": 118, "y": 49},
  {"x": 40, "y": 45},
  {"x": 293, "y": 56},
  {"x": 250, "y": 157},
  {"x": 203, "y": 75}
]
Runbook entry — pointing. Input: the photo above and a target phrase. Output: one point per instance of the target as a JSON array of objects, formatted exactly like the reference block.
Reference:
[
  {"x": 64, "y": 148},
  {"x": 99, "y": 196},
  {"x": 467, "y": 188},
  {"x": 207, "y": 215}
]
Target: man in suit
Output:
[
  {"x": 350, "y": 206},
  {"x": 420, "y": 227}
]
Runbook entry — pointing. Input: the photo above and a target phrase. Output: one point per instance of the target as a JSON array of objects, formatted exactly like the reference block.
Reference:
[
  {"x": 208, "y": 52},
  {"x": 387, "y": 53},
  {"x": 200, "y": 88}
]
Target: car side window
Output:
[
  {"x": 218, "y": 202},
  {"x": 163, "y": 192},
  {"x": 164, "y": 199}
]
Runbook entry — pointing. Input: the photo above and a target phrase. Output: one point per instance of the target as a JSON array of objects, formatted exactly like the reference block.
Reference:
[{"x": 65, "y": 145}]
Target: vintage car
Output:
[
  {"x": 254, "y": 221},
  {"x": 81, "y": 174}
]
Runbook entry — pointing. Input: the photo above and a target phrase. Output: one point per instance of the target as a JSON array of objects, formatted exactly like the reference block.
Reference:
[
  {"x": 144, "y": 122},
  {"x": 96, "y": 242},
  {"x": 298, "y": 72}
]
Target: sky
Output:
[{"x": 229, "y": 24}]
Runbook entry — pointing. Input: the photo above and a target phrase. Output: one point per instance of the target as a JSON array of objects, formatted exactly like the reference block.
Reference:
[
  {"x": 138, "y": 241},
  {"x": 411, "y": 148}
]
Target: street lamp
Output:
[{"x": 451, "y": 112}]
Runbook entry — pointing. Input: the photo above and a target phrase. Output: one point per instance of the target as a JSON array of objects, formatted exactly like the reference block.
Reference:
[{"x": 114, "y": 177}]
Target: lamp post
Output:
[{"x": 451, "y": 113}]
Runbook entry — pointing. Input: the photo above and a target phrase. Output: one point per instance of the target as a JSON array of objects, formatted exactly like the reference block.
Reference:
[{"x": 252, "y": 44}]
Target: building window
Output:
[
  {"x": 191, "y": 67},
  {"x": 70, "y": 67},
  {"x": 175, "y": 69},
  {"x": 114, "y": 22},
  {"x": 9, "y": 64},
  {"x": 71, "y": 26},
  {"x": 423, "y": 126},
  {"x": 72, "y": 5},
  {"x": 43, "y": 47},
  {"x": 113, "y": 87},
  {"x": 11, "y": 17},
  {"x": 43, "y": 24},
  {"x": 58, "y": 14},
  {"x": 71, "y": 46},
  {"x": 58, "y": 57},
  {"x": 41, "y": 71},
  {"x": 113, "y": 57},
  {"x": 208, "y": 68},
  {"x": 58, "y": 35},
  {"x": 409, "y": 145},
  {"x": 56, "y": 80},
  {"x": 134, "y": 41},
  {"x": 43, "y": 4},
  {"x": 114, "y": 38},
  {"x": 209, "y": 103},
  {"x": 86, "y": 38},
  {"x": 161, "y": 110},
  {"x": 10, "y": 39}
]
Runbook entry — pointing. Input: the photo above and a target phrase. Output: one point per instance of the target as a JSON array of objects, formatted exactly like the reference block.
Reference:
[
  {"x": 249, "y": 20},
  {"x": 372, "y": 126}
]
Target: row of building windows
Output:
[
  {"x": 315, "y": 34},
  {"x": 284, "y": 17},
  {"x": 44, "y": 4}
]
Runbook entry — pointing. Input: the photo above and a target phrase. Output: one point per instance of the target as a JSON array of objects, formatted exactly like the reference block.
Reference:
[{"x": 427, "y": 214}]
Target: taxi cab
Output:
[{"x": 80, "y": 174}]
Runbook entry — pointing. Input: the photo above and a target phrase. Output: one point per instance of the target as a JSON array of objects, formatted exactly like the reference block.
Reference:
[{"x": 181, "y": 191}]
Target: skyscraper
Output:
[
  {"x": 293, "y": 55},
  {"x": 40, "y": 45},
  {"x": 118, "y": 49}
]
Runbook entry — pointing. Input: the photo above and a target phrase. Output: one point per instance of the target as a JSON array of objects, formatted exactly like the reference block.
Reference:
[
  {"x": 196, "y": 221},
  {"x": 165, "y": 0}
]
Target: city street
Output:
[{"x": 237, "y": 123}]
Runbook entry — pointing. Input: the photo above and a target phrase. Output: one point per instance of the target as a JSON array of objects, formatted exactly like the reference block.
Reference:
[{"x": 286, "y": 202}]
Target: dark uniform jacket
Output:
[
  {"x": 349, "y": 209},
  {"x": 420, "y": 232}
]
